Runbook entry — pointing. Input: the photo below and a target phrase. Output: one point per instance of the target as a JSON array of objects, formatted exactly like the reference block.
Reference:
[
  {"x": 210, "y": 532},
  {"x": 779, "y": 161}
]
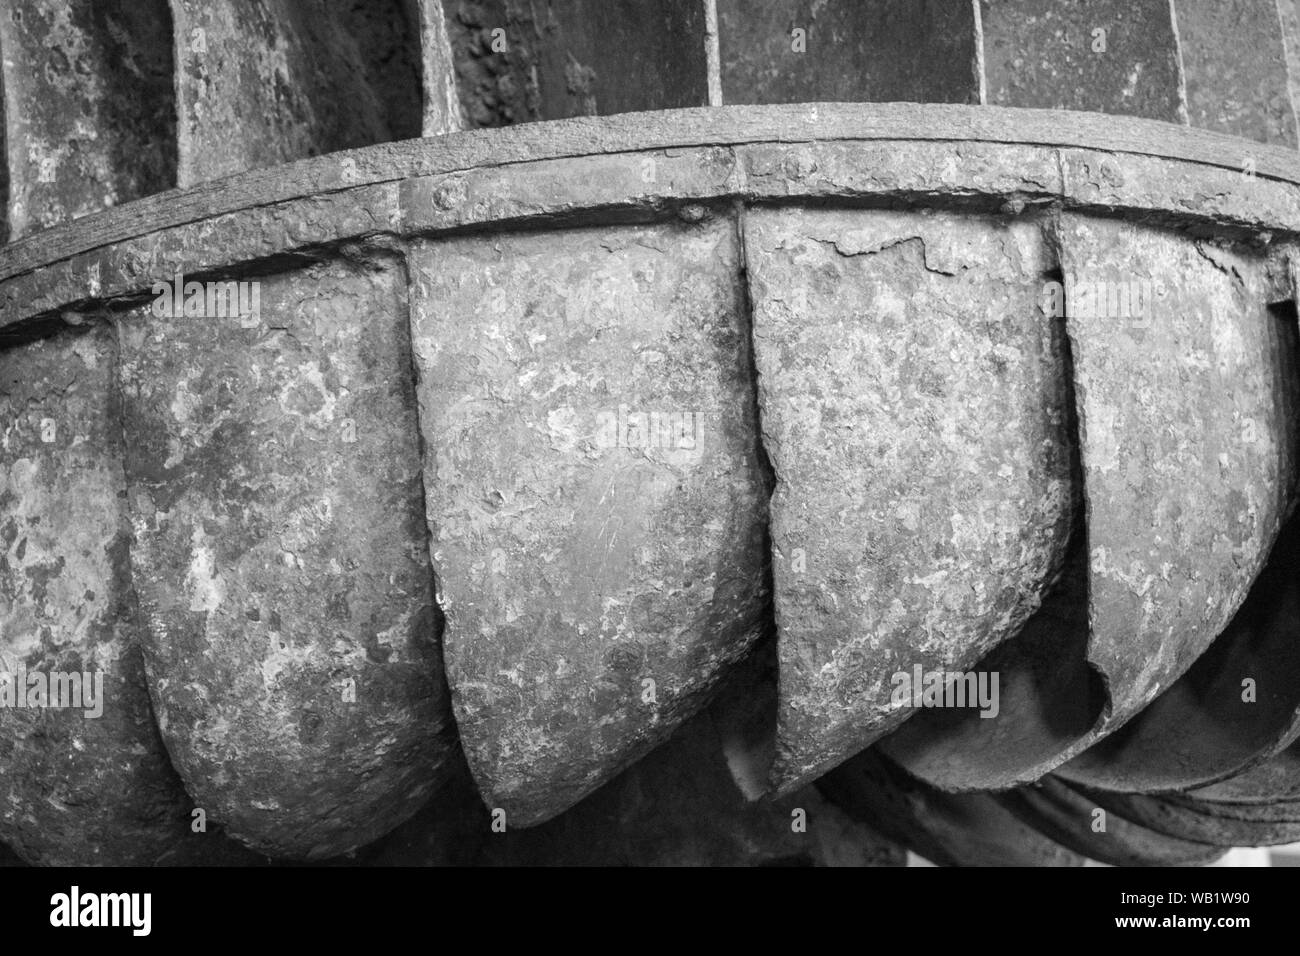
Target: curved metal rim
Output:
[{"x": 372, "y": 174}]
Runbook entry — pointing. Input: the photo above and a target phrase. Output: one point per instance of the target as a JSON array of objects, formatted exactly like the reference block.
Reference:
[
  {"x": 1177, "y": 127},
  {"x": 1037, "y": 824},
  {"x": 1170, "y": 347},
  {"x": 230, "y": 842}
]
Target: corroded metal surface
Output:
[
  {"x": 1245, "y": 95},
  {"x": 1289, "y": 15},
  {"x": 88, "y": 107},
  {"x": 679, "y": 806},
  {"x": 914, "y": 409},
  {"x": 1049, "y": 699},
  {"x": 1110, "y": 56},
  {"x": 594, "y": 493},
  {"x": 442, "y": 111},
  {"x": 84, "y": 778},
  {"x": 1237, "y": 703},
  {"x": 587, "y": 559},
  {"x": 265, "y": 83},
  {"x": 800, "y": 51},
  {"x": 1187, "y": 465},
  {"x": 1234, "y": 708},
  {"x": 518, "y": 61},
  {"x": 988, "y": 157},
  {"x": 281, "y": 559}
]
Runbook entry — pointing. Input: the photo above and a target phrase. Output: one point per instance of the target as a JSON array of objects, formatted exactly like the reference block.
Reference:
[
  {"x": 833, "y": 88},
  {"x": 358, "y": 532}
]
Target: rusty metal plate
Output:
[
  {"x": 595, "y": 494},
  {"x": 1188, "y": 462},
  {"x": 914, "y": 406},
  {"x": 85, "y": 778},
  {"x": 282, "y": 560}
]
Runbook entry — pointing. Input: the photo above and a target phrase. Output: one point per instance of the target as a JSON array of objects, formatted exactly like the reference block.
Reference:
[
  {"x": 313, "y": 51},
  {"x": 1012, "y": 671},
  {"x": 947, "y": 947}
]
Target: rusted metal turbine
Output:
[{"x": 486, "y": 455}]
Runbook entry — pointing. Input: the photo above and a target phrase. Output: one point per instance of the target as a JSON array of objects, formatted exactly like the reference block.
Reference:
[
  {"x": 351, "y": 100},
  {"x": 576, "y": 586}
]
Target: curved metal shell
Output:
[
  {"x": 594, "y": 492},
  {"x": 282, "y": 561},
  {"x": 914, "y": 409},
  {"x": 86, "y": 779}
]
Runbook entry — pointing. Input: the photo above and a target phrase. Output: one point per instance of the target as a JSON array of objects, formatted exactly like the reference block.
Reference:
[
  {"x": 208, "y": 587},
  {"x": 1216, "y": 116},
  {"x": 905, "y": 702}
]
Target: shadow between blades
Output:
[{"x": 1237, "y": 705}]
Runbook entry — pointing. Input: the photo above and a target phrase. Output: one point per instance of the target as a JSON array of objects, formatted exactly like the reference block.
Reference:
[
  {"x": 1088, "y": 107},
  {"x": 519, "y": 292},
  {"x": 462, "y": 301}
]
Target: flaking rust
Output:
[
  {"x": 76, "y": 787},
  {"x": 595, "y": 495},
  {"x": 913, "y": 404},
  {"x": 281, "y": 559}
]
